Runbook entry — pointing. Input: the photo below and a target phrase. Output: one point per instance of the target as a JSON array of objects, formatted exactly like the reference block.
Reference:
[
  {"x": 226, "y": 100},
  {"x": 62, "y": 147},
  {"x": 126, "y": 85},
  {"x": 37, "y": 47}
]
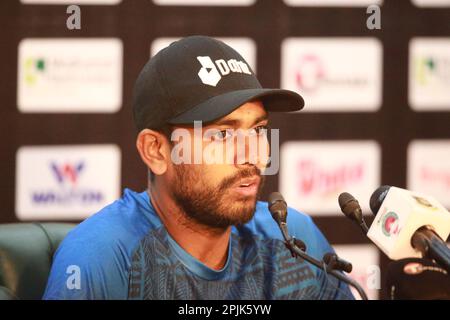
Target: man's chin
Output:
[{"x": 243, "y": 211}]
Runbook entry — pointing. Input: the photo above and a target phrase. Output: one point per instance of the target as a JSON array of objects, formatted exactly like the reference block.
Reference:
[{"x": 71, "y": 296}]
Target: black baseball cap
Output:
[{"x": 200, "y": 78}]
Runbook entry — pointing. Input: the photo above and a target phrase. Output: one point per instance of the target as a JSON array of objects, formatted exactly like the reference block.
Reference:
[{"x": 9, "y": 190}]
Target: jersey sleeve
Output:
[{"x": 88, "y": 266}]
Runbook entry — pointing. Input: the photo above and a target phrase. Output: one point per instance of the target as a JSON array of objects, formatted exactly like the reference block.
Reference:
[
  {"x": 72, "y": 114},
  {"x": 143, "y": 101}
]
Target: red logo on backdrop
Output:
[
  {"x": 314, "y": 179},
  {"x": 67, "y": 171},
  {"x": 433, "y": 175},
  {"x": 310, "y": 72}
]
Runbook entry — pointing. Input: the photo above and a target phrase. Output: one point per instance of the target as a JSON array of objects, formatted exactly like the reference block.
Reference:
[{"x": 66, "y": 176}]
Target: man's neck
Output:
[{"x": 208, "y": 245}]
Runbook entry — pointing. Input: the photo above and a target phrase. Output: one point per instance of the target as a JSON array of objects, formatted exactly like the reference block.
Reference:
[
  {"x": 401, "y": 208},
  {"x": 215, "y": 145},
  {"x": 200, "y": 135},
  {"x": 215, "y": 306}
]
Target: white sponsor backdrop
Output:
[
  {"x": 336, "y": 66},
  {"x": 429, "y": 169},
  {"x": 313, "y": 174},
  {"x": 66, "y": 182},
  {"x": 204, "y": 2},
  {"x": 334, "y": 74},
  {"x": 245, "y": 46},
  {"x": 333, "y": 3},
  {"x": 431, "y": 3},
  {"x": 70, "y": 75},
  {"x": 429, "y": 74},
  {"x": 366, "y": 269},
  {"x": 96, "y": 2}
]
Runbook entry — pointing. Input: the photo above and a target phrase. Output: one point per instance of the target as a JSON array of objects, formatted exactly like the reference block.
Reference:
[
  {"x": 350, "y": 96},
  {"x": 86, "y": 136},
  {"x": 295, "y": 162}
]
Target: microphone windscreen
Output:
[
  {"x": 344, "y": 198},
  {"x": 275, "y": 197},
  {"x": 276, "y": 202},
  {"x": 277, "y": 207},
  {"x": 416, "y": 278},
  {"x": 349, "y": 206},
  {"x": 377, "y": 198}
]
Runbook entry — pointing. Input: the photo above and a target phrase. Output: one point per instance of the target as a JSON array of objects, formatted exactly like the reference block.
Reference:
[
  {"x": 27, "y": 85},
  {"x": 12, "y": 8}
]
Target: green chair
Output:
[{"x": 26, "y": 254}]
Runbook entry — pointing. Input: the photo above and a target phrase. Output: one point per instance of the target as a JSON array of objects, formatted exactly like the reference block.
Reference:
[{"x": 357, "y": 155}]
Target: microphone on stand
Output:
[
  {"x": 334, "y": 262},
  {"x": 278, "y": 210},
  {"x": 351, "y": 208}
]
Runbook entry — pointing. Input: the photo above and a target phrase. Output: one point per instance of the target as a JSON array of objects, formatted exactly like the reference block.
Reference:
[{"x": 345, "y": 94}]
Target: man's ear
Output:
[{"x": 154, "y": 150}]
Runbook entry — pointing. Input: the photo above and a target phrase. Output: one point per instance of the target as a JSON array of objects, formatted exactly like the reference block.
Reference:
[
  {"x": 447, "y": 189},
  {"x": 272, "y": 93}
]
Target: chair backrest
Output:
[{"x": 26, "y": 254}]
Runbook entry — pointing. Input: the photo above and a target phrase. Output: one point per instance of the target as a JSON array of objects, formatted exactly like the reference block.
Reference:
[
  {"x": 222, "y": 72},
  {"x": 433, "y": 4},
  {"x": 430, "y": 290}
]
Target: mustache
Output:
[{"x": 244, "y": 173}]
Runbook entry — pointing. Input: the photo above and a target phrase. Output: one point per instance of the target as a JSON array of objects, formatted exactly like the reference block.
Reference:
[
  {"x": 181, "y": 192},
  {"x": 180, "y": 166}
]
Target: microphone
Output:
[
  {"x": 278, "y": 207},
  {"x": 409, "y": 224},
  {"x": 334, "y": 262},
  {"x": 351, "y": 208},
  {"x": 377, "y": 197},
  {"x": 278, "y": 210},
  {"x": 415, "y": 278}
]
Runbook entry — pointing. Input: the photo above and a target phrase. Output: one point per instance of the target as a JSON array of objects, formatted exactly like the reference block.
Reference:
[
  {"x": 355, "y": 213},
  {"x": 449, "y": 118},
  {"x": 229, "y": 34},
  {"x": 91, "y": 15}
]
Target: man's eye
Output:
[
  {"x": 222, "y": 135},
  {"x": 259, "y": 130}
]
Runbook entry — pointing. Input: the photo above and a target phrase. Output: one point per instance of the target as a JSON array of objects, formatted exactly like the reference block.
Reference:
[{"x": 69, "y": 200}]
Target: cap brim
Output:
[{"x": 274, "y": 100}]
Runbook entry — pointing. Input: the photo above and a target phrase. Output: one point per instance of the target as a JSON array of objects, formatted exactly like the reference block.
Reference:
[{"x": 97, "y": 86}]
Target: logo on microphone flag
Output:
[{"x": 390, "y": 224}]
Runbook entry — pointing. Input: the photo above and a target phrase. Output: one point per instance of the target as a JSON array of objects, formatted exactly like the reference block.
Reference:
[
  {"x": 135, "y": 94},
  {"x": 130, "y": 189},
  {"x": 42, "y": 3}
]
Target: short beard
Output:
[{"x": 208, "y": 205}]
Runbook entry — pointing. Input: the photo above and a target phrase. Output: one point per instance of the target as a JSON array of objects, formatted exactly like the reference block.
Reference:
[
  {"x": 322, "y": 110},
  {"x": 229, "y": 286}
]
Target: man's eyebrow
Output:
[{"x": 236, "y": 122}]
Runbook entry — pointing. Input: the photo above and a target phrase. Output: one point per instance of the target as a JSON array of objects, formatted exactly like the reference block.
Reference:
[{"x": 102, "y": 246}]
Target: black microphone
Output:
[
  {"x": 334, "y": 262},
  {"x": 277, "y": 207},
  {"x": 377, "y": 198},
  {"x": 278, "y": 210},
  {"x": 415, "y": 278},
  {"x": 351, "y": 208}
]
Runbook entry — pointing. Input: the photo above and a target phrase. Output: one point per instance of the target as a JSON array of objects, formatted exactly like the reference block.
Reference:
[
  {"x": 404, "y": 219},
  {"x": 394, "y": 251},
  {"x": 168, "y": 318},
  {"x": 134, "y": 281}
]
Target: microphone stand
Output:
[{"x": 291, "y": 244}]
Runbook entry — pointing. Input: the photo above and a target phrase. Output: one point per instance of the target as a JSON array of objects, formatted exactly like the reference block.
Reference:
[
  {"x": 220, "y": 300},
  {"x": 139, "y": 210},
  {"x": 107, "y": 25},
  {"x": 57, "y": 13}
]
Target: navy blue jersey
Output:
[{"x": 125, "y": 252}]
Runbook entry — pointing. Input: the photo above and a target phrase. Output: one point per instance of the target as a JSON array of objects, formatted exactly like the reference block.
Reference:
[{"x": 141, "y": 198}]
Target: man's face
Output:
[{"x": 222, "y": 194}]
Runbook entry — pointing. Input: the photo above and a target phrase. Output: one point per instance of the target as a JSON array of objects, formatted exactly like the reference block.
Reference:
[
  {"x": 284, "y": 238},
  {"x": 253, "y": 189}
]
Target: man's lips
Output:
[
  {"x": 248, "y": 186},
  {"x": 248, "y": 181}
]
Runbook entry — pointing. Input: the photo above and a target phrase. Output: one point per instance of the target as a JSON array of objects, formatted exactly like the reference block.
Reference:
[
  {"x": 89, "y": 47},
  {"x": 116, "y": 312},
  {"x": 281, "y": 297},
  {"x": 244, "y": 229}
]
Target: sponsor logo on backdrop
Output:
[
  {"x": 313, "y": 174},
  {"x": 334, "y": 74},
  {"x": 429, "y": 169},
  {"x": 204, "y": 2},
  {"x": 366, "y": 270},
  {"x": 66, "y": 182},
  {"x": 96, "y": 2},
  {"x": 310, "y": 73},
  {"x": 245, "y": 46},
  {"x": 67, "y": 177},
  {"x": 332, "y": 3},
  {"x": 431, "y": 3},
  {"x": 429, "y": 74},
  {"x": 69, "y": 75}
]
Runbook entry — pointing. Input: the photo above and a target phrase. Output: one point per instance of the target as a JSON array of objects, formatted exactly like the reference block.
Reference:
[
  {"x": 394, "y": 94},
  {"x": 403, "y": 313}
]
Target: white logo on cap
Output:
[{"x": 209, "y": 73}]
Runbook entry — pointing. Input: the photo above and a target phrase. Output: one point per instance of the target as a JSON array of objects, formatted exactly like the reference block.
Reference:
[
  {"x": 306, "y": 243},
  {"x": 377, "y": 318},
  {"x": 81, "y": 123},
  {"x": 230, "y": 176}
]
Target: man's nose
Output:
[{"x": 251, "y": 148}]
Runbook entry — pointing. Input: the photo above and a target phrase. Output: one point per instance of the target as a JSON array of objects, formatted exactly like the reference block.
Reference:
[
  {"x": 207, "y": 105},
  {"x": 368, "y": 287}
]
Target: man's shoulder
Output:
[
  {"x": 114, "y": 230},
  {"x": 124, "y": 221},
  {"x": 101, "y": 249}
]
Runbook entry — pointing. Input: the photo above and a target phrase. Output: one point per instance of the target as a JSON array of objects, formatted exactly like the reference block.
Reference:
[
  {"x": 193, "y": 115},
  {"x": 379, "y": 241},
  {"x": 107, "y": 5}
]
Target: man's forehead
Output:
[{"x": 250, "y": 111}]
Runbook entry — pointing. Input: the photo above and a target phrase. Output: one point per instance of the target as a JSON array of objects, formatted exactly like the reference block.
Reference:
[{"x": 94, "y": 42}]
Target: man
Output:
[{"x": 198, "y": 232}]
